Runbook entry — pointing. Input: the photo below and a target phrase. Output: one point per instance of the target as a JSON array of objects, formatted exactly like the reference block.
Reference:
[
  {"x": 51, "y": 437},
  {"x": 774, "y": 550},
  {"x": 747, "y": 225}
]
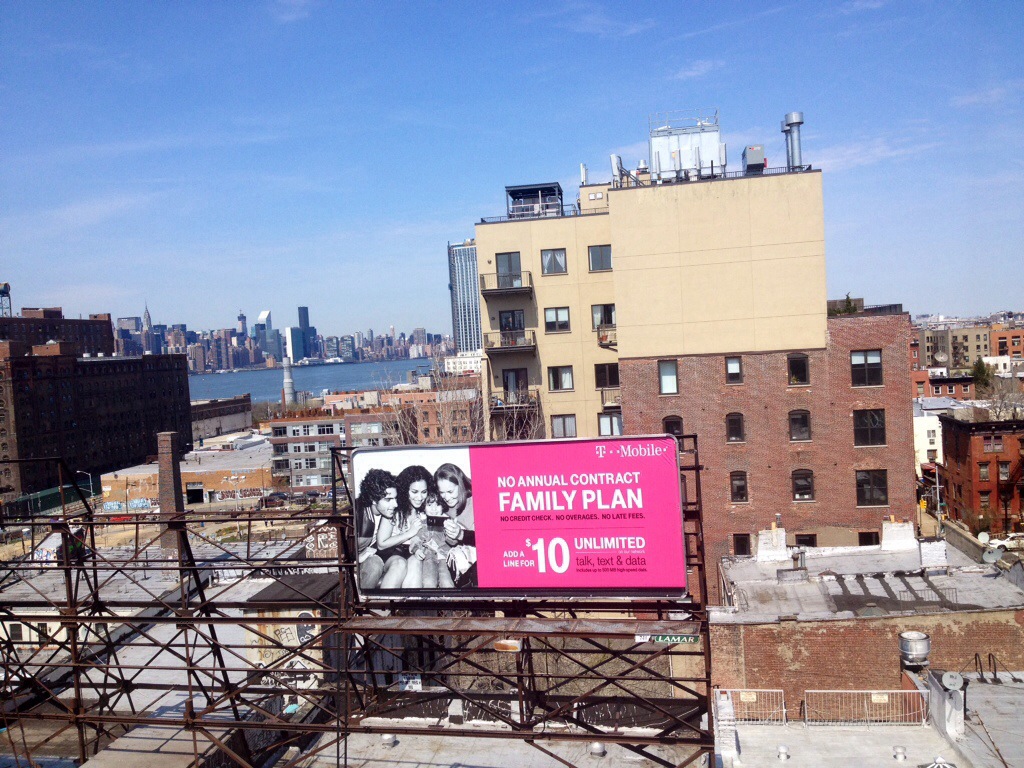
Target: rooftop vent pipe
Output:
[{"x": 791, "y": 127}]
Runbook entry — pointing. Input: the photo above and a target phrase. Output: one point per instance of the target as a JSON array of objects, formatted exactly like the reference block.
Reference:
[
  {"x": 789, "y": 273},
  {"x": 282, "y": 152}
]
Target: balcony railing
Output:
[
  {"x": 508, "y": 400},
  {"x": 611, "y": 398},
  {"x": 607, "y": 336},
  {"x": 510, "y": 341},
  {"x": 506, "y": 283}
]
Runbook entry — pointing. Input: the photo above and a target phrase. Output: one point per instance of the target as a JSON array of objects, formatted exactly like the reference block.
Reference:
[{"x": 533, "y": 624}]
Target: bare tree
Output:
[
  {"x": 1005, "y": 397},
  {"x": 451, "y": 410}
]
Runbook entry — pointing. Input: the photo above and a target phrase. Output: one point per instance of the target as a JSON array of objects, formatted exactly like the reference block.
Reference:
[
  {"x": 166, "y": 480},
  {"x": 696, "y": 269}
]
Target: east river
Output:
[{"x": 265, "y": 383}]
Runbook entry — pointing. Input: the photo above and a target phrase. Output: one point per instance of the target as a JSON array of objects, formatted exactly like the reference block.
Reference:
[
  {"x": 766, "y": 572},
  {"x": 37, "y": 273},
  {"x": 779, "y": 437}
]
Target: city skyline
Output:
[{"x": 155, "y": 148}]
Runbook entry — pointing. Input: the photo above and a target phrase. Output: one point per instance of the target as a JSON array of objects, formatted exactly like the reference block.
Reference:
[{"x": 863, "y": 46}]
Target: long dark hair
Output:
[
  {"x": 454, "y": 474},
  {"x": 411, "y": 474},
  {"x": 372, "y": 489}
]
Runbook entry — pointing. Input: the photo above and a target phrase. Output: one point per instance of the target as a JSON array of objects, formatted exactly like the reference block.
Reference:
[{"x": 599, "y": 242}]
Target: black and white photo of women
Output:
[{"x": 415, "y": 527}]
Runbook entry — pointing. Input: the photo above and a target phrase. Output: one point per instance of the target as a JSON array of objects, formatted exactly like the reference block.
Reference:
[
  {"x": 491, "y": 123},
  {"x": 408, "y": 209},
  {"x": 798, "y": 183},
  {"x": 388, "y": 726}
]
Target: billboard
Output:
[{"x": 547, "y": 518}]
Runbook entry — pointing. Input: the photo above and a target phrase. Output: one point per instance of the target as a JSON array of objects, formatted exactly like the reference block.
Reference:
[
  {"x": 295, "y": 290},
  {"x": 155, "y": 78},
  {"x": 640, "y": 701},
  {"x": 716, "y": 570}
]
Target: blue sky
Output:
[{"x": 206, "y": 157}]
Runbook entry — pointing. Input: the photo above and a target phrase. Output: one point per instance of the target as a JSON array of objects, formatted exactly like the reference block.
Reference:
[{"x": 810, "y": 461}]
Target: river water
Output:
[{"x": 265, "y": 384}]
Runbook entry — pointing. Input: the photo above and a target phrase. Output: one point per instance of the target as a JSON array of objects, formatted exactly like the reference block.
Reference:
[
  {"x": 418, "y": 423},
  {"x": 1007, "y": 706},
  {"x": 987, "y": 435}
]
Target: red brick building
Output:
[
  {"x": 1007, "y": 341},
  {"x": 97, "y": 413},
  {"x": 94, "y": 336},
  {"x": 822, "y": 438},
  {"x": 982, "y": 476}
]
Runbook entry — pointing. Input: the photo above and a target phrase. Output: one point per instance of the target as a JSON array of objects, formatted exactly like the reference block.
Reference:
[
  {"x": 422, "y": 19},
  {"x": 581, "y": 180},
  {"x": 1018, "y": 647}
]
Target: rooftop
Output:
[
  {"x": 993, "y": 722},
  {"x": 848, "y": 582},
  {"x": 254, "y": 457}
]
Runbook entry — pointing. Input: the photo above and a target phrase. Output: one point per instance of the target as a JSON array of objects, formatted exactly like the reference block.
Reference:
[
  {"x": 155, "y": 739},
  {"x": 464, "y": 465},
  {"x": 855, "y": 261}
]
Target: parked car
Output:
[{"x": 1012, "y": 541}]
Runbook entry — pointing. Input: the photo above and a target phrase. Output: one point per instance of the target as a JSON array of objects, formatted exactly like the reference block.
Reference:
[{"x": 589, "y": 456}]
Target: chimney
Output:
[
  {"x": 791, "y": 127},
  {"x": 169, "y": 478}
]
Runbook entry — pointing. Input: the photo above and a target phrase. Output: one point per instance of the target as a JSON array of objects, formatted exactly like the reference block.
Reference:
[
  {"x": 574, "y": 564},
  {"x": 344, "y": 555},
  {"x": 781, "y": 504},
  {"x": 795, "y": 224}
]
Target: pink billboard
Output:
[{"x": 565, "y": 517}]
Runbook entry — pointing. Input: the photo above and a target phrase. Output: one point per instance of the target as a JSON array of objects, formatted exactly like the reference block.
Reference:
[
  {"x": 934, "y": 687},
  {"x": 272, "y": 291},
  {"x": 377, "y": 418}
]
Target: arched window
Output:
[
  {"x": 672, "y": 425},
  {"x": 803, "y": 485},
  {"x": 734, "y": 432},
  {"x": 799, "y": 425},
  {"x": 799, "y": 368},
  {"x": 738, "y": 486}
]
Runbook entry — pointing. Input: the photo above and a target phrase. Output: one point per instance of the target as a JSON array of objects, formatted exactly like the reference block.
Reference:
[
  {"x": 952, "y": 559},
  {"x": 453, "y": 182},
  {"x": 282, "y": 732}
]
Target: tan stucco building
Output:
[{"x": 638, "y": 270}]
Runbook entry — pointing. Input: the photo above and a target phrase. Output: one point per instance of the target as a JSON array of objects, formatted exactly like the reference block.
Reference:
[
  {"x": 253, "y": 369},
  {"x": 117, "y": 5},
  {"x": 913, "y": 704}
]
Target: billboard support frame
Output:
[{"x": 87, "y": 678}]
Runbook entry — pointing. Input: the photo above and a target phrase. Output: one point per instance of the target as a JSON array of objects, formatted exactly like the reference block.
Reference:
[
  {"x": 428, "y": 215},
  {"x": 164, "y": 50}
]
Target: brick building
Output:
[
  {"x": 1007, "y": 342},
  {"x": 960, "y": 387},
  {"x": 220, "y": 417},
  {"x": 982, "y": 474},
  {"x": 94, "y": 336},
  {"x": 819, "y": 438},
  {"x": 834, "y": 621},
  {"x": 302, "y": 445},
  {"x": 97, "y": 413}
]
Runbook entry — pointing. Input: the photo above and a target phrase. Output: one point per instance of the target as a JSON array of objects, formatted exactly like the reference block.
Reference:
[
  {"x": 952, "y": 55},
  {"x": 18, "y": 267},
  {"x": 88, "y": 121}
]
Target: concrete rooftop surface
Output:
[
  {"x": 828, "y": 746},
  {"x": 995, "y": 720},
  {"x": 848, "y": 582}
]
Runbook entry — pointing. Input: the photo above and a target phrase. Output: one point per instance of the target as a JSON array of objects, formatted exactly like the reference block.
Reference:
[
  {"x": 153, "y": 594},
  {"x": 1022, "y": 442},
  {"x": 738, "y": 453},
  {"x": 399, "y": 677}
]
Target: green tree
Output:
[{"x": 982, "y": 374}]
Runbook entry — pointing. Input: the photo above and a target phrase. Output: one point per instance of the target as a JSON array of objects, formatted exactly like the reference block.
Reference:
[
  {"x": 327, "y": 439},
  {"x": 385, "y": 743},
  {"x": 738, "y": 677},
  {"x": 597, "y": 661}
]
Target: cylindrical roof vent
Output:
[
  {"x": 914, "y": 649},
  {"x": 792, "y": 122}
]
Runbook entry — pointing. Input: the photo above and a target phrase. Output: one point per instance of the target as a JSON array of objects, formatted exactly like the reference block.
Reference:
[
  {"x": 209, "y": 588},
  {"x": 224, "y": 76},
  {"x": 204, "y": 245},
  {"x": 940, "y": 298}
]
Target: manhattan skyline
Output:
[{"x": 167, "y": 154}]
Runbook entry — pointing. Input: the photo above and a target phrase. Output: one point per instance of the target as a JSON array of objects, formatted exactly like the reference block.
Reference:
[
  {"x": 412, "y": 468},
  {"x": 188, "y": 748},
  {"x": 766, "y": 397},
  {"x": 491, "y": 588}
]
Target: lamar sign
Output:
[{"x": 566, "y": 517}]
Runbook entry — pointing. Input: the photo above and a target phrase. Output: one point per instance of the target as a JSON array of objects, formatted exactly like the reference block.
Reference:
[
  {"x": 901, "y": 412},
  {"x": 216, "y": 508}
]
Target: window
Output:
[
  {"x": 602, "y": 315},
  {"x": 296, "y": 463},
  {"x": 866, "y": 368},
  {"x": 563, "y": 426},
  {"x": 668, "y": 383},
  {"x": 867, "y": 539},
  {"x": 936, "y": 390},
  {"x": 16, "y": 634},
  {"x": 600, "y": 258},
  {"x": 280, "y": 431},
  {"x": 869, "y": 427},
  {"x": 872, "y": 488},
  {"x": 560, "y": 378},
  {"x": 672, "y": 425},
  {"x": 738, "y": 486},
  {"x": 426, "y": 431},
  {"x": 933, "y": 455},
  {"x": 609, "y": 424},
  {"x": 306, "y": 428},
  {"x": 807, "y": 539},
  {"x": 799, "y": 425},
  {"x": 803, "y": 485},
  {"x": 920, "y": 389},
  {"x": 606, "y": 375},
  {"x": 983, "y": 471},
  {"x": 552, "y": 261},
  {"x": 1004, "y": 470},
  {"x": 556, "y": 319},
  {"x": 296, "y": 447},
  {"x": 993, "y": 443},
  {"x": 967, "y": 389},
  {"x": 734, "y": 428},
  {"x": 985, "y": 498},
  {"x": 799, "y": 369},
  {"x": 310, "y": 462},
  {"x": 296, "y": 432},
  {"x": 310, "y": 447},
  {"x": 741, "y": 544},
  {"x": 733, "y": 370},
  {"x": 325, "y": 429},
  {"x": 951, "y": 389}
]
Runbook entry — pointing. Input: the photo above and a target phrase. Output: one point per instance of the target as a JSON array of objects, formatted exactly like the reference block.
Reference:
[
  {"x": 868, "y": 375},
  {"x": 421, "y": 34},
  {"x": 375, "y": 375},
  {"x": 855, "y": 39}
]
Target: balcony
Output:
[
  {"x": 512, "y": 401},
  {"x": 506, "y": 284},
  {"x": 500, "y": 342},
  {"x": 611, "y": 398},
  {"x": 607, "y": 336}
]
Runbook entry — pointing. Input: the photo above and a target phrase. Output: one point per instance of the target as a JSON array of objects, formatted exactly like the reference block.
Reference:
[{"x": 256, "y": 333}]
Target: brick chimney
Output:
[{"x": 169, "y": 475}]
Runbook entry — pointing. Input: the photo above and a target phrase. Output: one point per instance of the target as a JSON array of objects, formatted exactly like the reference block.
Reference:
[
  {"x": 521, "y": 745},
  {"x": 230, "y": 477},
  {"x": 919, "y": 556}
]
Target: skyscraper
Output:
[
  {"x": 242, "y": 329},
  {"x": 308, "y": 334},
  {"x": 465, "y": 296}
]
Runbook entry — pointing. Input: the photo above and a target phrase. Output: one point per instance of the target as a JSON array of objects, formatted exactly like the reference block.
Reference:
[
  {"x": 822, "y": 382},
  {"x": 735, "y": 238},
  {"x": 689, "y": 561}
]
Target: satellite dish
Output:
[
  {"x": 952, "y": 681},
  {"x": 992, "y": 555},
  {"x": 941, "y": 357},
  {"x": 983, "y": 537}
]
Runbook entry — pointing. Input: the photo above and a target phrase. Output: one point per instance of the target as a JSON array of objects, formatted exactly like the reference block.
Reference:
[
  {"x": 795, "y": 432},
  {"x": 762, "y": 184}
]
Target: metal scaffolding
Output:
[{"x": 177, "y": 638}]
